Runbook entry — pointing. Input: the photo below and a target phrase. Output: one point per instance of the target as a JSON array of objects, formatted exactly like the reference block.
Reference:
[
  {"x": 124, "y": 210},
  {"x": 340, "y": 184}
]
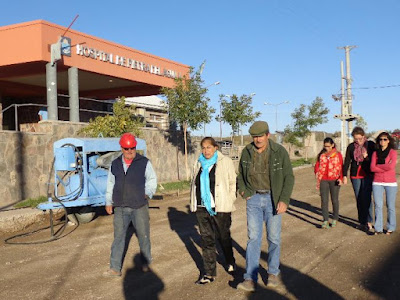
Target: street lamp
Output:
[
  {"x": 215, "y": 83},
  {"x": 276, "y": 111}
]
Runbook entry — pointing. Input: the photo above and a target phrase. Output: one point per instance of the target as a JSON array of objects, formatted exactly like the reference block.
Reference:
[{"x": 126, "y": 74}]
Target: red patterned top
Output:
[{"x": 329, "y": 166}]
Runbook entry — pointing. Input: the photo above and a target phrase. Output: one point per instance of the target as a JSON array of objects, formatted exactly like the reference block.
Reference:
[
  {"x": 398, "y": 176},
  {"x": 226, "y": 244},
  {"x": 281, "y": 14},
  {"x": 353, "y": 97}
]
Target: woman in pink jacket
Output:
[{"x": 383, "y": 164}]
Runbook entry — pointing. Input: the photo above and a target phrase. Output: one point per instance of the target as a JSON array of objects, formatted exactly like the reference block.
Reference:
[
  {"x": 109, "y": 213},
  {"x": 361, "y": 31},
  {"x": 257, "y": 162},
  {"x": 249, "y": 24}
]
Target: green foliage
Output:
[
  {"x": 188, "y": 104},
  {"x": 187, "y": 101},
  {"x": 291, "y": 137},
  {"x": 300, "y": 162},
  {"x": 306, "y": 117},
  {"x": 304, "y": 121},
  {"x": 237, "y": 111},
  {"x": 123, "y": 120},
  {"x": 31, "y": 202},
  {"x": 360, "y": 122},
  {"x": 173, "y": 186}
]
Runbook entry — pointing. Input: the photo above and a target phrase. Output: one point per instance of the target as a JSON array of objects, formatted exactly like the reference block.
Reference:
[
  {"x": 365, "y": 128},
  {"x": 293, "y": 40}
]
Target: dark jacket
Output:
[
  {"x": 355, "y": 167},
  {"x": 280, "y": 173},
  {"x": 129, "y": 188}
]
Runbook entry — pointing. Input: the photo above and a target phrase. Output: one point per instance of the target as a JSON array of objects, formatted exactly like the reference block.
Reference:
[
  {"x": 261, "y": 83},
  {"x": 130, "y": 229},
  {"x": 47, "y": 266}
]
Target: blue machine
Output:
[{"x": 81, "y": 169}]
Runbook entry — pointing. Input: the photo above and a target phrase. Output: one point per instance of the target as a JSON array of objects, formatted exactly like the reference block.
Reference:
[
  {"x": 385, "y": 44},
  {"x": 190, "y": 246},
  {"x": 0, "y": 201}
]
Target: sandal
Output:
[
  {"x": 389, "y": 232},
  {"x": 369, "y": 226},
  {"x": 325, "y": 225}
]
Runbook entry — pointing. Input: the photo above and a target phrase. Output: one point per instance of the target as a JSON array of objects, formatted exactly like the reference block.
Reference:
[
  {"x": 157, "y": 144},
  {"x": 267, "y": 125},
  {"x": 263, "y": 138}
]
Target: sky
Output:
[{"x": 281, "y": 50}]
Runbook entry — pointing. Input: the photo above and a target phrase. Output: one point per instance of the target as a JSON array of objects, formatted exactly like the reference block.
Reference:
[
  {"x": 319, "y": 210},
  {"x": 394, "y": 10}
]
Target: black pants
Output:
[
  {"x": 326, "y": 187},
  {"x": 212, "y": 228}
]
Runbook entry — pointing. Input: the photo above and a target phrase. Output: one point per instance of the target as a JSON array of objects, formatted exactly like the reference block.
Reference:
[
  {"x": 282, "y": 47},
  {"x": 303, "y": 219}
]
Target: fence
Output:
[{"x": 91, "y": 111}]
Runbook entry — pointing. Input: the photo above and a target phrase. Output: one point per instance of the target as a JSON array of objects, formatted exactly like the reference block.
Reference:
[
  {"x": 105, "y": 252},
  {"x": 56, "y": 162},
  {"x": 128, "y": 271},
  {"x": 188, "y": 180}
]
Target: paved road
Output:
[{"x": 339, "y": 263}]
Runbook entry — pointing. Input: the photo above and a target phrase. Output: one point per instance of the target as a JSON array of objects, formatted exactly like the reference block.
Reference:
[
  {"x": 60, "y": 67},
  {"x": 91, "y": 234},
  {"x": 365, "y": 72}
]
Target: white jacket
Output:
[{"x": 225, "y": 185}]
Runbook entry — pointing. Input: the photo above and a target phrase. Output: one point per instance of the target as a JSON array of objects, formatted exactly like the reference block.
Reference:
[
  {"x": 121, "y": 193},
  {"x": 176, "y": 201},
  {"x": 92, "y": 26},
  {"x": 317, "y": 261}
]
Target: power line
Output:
[
  {"x": 338, "y": 94},
  {"x": 377, "y": 87}
]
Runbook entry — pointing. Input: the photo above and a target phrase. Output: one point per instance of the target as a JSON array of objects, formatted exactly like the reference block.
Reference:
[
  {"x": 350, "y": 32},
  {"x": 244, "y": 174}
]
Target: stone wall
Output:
[
  {"x": 27, "y": 156},
  {"x": 165, "y": 149},
  {"x": 26, "y": 159}
]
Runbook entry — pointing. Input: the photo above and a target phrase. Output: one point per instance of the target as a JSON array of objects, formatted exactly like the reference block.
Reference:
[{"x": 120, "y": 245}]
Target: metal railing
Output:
[{"x": 16, "y": 106}]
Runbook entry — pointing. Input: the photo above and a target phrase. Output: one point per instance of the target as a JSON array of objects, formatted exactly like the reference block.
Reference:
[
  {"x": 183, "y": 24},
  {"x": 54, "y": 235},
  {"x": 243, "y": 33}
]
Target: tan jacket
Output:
[{"x": 225, "y": 185}]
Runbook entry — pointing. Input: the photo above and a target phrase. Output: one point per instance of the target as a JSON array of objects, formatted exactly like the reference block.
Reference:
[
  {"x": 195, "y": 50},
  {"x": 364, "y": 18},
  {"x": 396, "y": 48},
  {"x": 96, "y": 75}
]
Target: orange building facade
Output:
[{"x": 43, "y": 64}]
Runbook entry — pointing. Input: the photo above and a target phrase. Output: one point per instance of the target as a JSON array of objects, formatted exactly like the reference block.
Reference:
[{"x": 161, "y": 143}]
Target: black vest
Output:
[{"x": 129, "y": 188}]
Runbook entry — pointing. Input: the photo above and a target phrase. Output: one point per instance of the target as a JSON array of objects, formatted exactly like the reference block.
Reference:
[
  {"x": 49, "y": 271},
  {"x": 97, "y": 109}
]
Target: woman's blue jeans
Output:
[
  {"x": 139, "y": 217},
  {"x": 362, "y": 190},
  {"x": 260, "y": 210},
  {"x": 391, "y": 192}
]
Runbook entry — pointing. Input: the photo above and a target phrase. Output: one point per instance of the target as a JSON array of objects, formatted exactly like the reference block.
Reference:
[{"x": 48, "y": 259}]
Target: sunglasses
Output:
[
  {"x": 126, "y": 149},
  {"x": 384, "y": 139}
]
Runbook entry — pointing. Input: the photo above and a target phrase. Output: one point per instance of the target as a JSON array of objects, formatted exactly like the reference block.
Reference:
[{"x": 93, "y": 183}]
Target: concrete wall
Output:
[
  {"x": 26, "y": 157},
  {"x": 312, "y": 146}
]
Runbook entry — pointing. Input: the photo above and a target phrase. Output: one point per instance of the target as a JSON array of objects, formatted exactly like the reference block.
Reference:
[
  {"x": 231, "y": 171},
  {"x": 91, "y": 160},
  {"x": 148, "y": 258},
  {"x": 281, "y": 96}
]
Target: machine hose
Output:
[{"x": 54, "y": 235}]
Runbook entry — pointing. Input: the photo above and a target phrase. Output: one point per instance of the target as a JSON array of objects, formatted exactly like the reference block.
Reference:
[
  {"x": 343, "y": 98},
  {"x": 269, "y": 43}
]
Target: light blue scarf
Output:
[{"x": 205, "y": 181}]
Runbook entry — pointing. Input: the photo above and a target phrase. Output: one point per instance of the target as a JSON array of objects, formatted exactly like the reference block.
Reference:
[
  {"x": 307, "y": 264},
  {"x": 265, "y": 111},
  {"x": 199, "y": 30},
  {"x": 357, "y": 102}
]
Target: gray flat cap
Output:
[{"x": 259, "y": 128}]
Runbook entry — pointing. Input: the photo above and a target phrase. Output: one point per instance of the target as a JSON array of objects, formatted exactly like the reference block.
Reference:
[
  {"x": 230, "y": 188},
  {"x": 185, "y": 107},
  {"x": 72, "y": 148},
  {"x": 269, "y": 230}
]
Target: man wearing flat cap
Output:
[{"x": 266, "y": 181}]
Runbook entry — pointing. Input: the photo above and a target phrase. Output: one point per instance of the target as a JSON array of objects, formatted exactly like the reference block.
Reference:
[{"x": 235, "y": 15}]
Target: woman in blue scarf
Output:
[{"x": 213, "y": 195}]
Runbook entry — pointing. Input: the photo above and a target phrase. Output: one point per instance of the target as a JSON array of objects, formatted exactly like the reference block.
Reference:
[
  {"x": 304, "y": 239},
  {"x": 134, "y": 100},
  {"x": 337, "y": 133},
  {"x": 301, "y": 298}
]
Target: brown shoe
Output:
[
  {"x": 248, "y": 285},
  {"x": 273, "y": 281},
  {"x": 111, "y": 273}
]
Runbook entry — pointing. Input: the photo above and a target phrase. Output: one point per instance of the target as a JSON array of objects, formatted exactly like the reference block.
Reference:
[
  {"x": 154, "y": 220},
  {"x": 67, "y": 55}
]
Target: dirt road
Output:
[{"x": 339, "y": 263}]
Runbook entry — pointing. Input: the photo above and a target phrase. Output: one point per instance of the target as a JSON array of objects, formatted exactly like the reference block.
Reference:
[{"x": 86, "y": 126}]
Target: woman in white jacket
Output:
[{"x": 213, "y": 194}]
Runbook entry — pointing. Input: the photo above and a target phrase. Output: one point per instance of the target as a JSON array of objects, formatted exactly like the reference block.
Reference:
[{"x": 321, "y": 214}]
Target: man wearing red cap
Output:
[{"x": 131, "y": 182}]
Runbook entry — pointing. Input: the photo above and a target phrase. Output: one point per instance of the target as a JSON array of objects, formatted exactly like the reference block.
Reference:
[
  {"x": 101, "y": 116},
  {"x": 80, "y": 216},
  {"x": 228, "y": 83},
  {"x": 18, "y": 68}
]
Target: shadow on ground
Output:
[
  {"x": 141, "y": 285},
  {"x": 296, "y": 285},
  {"x": 315, "y": 218},
  {"x": 385, "y": 280},
  {"x": 184, "y": 224}
]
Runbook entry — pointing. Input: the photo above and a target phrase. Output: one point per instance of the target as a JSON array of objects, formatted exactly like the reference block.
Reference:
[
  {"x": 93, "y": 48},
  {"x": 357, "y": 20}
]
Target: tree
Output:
[
  {"x": 237, "y": 111},
  {"x": 188, "y": 104},
  {"x": 360, "y": 122},
  {"x": 307, "y": 117},
  {"x": 123, "y": 120},
  {"x": 291, "y": 137}
]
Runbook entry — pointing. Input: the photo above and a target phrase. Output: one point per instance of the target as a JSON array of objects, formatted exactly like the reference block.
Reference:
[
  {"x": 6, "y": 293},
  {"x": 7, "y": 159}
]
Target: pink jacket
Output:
[{"x": 387, "y": 172}]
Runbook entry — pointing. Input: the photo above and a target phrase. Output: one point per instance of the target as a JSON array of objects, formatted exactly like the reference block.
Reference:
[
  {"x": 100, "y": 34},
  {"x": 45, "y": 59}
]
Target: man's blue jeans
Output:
[
  {"x": 362, "y": 190},
  {"x": 260, "y": 210},
  {"x": 391, "y": 192},
  {"x": 123, "y": 216}
]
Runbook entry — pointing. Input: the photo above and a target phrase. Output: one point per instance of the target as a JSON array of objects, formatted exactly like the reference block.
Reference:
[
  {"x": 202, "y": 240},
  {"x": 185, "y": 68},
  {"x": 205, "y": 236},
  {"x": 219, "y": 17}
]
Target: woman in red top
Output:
[{"x": 328, "y": 172}]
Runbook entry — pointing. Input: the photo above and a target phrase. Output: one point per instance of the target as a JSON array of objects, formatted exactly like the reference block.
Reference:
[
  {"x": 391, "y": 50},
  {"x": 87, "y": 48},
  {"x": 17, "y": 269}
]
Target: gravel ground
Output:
[{"x": 338, "y": 263}]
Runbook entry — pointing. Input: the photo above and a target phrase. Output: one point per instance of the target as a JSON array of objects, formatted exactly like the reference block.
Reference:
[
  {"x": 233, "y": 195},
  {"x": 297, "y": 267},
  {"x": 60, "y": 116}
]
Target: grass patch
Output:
[
  {"x": 31, "y": 202},
  {"x": 173, "y": 186},
  {"x": 300, "y": 162}
]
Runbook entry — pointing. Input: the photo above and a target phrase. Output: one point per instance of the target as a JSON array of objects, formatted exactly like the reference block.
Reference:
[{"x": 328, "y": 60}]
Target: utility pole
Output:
[
  {"x": 343, "y": 135},
  {"x": 346, "y": 101}
]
